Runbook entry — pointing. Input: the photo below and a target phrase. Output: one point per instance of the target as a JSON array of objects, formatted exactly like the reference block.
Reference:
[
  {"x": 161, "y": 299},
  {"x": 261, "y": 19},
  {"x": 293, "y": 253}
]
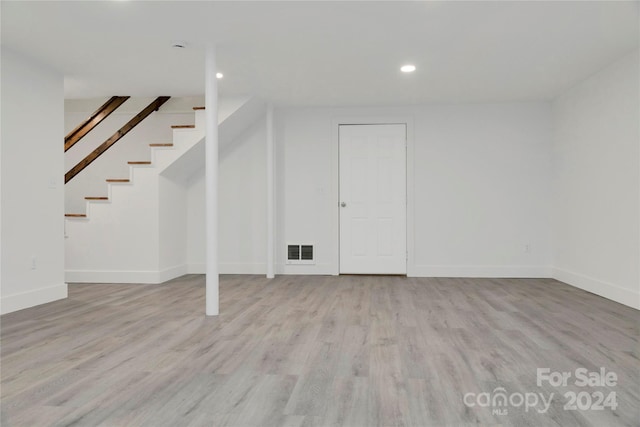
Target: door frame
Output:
[{"x": 335, "y": 180}]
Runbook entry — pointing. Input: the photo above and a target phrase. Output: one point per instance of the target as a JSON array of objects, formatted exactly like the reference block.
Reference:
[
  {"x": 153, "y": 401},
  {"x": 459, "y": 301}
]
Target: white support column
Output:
[
  {"x": 270, "y": 195},
  {"x": 211, "y": 182}
]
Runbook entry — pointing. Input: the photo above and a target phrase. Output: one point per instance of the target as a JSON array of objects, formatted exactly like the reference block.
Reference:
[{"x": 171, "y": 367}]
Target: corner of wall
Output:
[
  {"x": 32, "y": 209},
  {"x": 596, "y": 180},
  {"x": 152, "y": 277},
  {"x": 604, "y": 289}
]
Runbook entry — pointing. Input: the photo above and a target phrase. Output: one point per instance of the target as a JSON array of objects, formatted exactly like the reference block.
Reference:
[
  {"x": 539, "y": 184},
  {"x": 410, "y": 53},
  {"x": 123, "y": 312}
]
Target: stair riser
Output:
[
  {"x": 201, "y": 118},
  {"x": 182, "y": 142}
]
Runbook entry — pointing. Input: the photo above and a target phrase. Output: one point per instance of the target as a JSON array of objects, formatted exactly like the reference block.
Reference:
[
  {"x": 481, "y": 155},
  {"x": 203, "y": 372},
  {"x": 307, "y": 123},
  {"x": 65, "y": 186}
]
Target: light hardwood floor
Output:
[{"x": 313, "y": 351}]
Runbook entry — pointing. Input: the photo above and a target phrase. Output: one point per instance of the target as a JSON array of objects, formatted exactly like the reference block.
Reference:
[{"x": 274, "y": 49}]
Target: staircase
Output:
[{"x": 137, "y": 232}]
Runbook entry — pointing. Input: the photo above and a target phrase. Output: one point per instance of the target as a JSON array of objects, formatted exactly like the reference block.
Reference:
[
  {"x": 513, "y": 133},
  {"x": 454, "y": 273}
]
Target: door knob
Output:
[{"x": 343, "y": 204}]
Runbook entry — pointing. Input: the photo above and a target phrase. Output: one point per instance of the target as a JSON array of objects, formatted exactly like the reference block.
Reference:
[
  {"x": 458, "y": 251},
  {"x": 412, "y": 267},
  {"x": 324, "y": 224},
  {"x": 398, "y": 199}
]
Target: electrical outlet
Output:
[{"x": 34, "y": 263}]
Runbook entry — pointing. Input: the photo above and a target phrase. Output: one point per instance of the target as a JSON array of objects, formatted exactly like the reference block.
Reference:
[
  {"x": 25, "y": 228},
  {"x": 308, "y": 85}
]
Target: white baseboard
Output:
[
  {"x": 607, "y": 290},
  {"x": 261, "y": 268},
  {"x": 242, "y": 268},
  {"x": 230, "y": 268},
  {"x": 490, "y": 271},
  {"x": 172, "y": 273},
  {"x": 15, "y": 302},
  {"x": 305, "y": 269},
  {"x": 95, "y": 276},
  {"x": 111, "y": 276}
]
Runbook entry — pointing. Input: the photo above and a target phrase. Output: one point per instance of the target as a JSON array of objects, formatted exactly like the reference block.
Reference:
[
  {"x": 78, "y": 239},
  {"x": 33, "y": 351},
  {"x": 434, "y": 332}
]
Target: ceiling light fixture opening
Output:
[
  {"x": 179, "y": 45},
  {"x": 409, "y": 68},
  {"x": 219, "y": 75}
]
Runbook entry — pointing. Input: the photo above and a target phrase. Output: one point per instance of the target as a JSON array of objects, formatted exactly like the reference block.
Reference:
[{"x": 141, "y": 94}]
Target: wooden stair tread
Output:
[
  {"x": 198, "y": 108},
  {"x": 139, "y": 163},
  {"x": 75, "y": 215},
  {"x": 183, "y": 127},
  {"x": 161, "y": 145},
  {"x": 117, "y": 180},
  {"x": 96, "y": 198}
]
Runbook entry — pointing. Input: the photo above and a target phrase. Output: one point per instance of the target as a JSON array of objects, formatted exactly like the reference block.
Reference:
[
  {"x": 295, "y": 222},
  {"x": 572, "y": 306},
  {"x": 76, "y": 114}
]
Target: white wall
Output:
[
  {"x": 172, "y": 211},
  {"x": 304, "y": 171},
  {"x": 482, "y": 191},
  {"x": 32, "y": 184},
  {"x": 196, "y": 233},
  {"x": 242, "y": 204},
  {"x": 596, "y": 182},
  {"x": 478, "y": 176}
]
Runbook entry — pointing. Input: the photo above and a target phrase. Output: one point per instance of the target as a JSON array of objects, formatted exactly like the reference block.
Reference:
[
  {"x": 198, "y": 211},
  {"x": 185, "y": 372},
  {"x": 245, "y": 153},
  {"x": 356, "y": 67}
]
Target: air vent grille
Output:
[
  {"x": 293, "y": 252},
  {"x": 306, "y": 252},
  {"x": 300, "y": 254}
]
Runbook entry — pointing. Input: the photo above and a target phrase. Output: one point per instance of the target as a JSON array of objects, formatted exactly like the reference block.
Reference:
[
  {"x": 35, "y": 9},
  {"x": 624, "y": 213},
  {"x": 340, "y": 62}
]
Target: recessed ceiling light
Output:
[
  {"x": 408, "y": 68},
  {"x": 219, "y": 75},
  {"x": 179, "y": 45}
]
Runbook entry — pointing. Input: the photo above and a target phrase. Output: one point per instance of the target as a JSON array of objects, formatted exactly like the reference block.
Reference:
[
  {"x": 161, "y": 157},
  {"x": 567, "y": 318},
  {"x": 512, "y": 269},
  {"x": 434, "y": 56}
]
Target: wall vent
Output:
[
  {"x": 300, "y": 254},
  {"x": 293, "y": 252}
]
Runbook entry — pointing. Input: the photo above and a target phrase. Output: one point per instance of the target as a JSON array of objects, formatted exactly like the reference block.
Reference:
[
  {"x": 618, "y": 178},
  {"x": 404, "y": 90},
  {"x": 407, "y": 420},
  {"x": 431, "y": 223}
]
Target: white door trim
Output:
[{"x": 335, "y": 180}]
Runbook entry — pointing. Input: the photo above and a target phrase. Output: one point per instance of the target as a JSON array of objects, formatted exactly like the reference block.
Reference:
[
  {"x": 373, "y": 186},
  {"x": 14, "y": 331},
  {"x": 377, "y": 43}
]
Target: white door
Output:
[{"x": 373, "y": 199}]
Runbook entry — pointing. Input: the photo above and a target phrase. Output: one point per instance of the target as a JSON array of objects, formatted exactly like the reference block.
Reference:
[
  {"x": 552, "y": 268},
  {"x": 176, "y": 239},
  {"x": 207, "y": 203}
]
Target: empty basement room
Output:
[{"x": 301, "y": 213}]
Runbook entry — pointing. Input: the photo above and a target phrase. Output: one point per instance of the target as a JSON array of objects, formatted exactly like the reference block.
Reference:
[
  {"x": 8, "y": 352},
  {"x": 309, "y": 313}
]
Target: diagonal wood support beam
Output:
[
  {"x": 154, "y": 106},
  {"x": 94, "y": 120}
]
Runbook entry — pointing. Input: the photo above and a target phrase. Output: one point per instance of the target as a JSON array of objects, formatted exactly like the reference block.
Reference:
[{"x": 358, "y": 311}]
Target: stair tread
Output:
[
  {"x": 96, "y": 198},
  {"x": 198, "y": 108},
  {"x": 161, "y": 145},
  {"x": 76, "y": 215},
  {"x": 183, "y": 127},
  {"x": 118, "y": 180},
  {"x": 139, "y": 163}
]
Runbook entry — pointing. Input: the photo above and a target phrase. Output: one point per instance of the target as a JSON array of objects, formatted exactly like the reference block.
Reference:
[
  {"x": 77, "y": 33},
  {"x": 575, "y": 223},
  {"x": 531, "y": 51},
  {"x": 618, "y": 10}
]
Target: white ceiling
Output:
[{"x": 325, "y": 53}]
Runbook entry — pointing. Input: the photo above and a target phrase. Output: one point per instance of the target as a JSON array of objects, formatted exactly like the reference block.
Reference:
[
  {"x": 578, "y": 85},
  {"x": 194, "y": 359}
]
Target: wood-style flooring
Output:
[{"x": 316, "y": 351}]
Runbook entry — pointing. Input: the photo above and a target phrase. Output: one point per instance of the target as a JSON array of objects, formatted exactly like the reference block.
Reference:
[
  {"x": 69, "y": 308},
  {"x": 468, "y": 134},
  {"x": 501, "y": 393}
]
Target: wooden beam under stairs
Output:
[{"x": 94, "y": 120}]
